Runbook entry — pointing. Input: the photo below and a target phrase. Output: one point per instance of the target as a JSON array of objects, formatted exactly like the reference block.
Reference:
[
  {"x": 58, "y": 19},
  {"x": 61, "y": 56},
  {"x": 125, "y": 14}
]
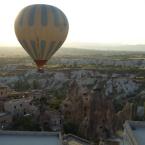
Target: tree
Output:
[
  {"x": 70, "y": 127},
  {"x": 25, "y": 123},
  {"x": 21, "y": 85}
]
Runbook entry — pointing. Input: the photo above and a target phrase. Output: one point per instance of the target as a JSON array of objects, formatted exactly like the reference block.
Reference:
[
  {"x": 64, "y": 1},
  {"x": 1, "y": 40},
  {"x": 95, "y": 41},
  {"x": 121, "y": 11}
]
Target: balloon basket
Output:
[{"x": 40, "y": 70}]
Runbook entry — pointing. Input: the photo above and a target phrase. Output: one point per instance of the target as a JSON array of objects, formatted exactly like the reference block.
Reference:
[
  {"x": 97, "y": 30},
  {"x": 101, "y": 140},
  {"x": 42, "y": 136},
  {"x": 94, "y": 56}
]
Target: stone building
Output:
[
  {"x": 4, "y": 91},
  {"x": 5, "y": 119},
  {"x": 18, "y": 95},
  {"x": 20, "y": 106}
]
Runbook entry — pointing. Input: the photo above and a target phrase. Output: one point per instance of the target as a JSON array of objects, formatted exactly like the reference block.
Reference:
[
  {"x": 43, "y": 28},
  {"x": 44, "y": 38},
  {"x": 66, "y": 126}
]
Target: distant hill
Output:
[
  {"x": 80, "y": 50},
  {"x": 109, "y": 47}
]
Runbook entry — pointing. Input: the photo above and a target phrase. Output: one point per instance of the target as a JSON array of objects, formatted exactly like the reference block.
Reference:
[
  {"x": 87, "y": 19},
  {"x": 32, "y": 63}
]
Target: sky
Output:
[{"x": 90, "y": 21}]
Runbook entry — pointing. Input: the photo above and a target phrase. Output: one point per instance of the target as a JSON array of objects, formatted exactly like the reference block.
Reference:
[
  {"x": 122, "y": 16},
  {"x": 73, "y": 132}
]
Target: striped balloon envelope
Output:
[{"x": 41, "y": 30}]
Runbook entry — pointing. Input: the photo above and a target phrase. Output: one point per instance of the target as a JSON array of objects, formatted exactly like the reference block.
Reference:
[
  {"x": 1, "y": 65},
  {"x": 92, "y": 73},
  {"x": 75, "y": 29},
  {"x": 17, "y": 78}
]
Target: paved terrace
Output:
[{"x": 30, "y": 138}]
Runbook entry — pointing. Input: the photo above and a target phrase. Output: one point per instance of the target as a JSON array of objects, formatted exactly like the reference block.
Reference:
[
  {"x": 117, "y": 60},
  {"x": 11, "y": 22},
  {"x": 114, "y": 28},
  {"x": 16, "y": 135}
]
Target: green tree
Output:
[{"x": 25, "y": 123}]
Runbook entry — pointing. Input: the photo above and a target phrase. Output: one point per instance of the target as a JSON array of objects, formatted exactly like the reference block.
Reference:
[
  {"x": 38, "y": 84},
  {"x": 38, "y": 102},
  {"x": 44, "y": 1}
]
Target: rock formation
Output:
[
  {"x": 93, "y": 111},
  {"x": 75, "y": 106}
]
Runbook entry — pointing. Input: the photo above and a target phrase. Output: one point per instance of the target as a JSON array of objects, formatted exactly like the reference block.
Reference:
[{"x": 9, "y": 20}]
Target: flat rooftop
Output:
[
  {"x": 3, "y": 114},
  {"x": 29, "y": 138},
  {"x": 139, "y": 133},
  {"x": 136, "y": 130}
]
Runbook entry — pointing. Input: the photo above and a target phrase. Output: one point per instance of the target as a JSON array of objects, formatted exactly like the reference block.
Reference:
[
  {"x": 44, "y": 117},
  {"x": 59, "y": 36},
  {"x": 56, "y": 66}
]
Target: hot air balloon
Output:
[{"x": 41, "y": 30}]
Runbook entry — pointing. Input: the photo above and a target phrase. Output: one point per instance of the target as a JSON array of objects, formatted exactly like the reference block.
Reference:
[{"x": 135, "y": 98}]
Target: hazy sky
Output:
[{"x": 93, "y": 21}]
